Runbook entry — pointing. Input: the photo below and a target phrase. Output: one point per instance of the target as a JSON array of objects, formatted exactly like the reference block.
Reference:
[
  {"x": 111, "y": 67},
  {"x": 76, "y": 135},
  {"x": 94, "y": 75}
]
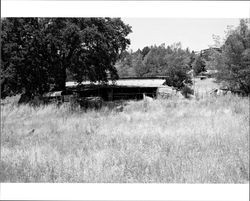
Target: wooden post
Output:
[{"x": 110, "y": 94}]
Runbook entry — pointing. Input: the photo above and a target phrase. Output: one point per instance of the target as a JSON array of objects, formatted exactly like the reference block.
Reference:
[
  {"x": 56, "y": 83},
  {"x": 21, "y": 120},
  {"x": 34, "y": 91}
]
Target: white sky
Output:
[{"x": 196, "y": 33}]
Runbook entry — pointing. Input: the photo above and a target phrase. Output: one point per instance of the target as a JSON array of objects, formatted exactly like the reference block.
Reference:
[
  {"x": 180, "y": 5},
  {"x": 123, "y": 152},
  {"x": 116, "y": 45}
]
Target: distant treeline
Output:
[{"x": 155, "y": 61}]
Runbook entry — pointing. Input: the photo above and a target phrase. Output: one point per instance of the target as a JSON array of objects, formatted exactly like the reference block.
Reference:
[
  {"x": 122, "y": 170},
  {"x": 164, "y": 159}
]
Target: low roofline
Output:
[
  {"x": 143, "y": 78},
  {"x": 86, "y": 87},
  {"x": 134, "y": 78}
]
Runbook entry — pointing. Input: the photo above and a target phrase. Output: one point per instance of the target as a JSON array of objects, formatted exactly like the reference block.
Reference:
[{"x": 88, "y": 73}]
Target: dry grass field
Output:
[
  {"x": 204, "y": 87},
  {"x": 166, "y": 140}
]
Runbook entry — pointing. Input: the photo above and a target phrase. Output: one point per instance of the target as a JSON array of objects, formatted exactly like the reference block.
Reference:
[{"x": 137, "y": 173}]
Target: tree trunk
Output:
[
  {"x": 62, "y": 80},
  {"x": 3, "y": 82}
]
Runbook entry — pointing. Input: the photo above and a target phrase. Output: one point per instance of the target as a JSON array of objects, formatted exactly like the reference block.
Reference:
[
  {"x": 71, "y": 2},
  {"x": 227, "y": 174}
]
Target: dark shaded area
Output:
[
  {"x": 91, "y": 96},
  {"x": 113, "y": 92}
]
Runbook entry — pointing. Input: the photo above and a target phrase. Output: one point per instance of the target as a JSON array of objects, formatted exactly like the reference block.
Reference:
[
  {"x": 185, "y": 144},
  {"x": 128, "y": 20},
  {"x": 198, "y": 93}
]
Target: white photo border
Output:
[{"x": 154, "y": 9}]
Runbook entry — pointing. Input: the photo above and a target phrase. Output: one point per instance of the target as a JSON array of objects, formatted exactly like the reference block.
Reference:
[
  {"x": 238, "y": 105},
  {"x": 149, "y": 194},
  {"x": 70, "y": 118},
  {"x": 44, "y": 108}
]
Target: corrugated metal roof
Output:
[
  {"x": 129, "y": 82},
  {"x": 53, "y": 94}
]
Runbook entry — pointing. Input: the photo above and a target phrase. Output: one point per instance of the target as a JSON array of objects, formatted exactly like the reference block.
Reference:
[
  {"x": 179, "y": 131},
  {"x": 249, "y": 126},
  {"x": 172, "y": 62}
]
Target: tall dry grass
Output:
[{"x": 172, "y": 141}]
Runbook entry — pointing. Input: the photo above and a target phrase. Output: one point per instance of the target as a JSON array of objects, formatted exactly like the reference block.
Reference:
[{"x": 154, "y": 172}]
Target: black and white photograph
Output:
[{"x": 120, "y": 99}]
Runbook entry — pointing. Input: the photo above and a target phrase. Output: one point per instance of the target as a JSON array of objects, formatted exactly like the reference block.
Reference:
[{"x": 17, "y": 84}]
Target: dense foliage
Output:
[
  {"x": 38, "y": 53},
  {"x": 171, "y": 61},
  {"x": 233, "y": 63},
  {"x": 199, "y": 65}
]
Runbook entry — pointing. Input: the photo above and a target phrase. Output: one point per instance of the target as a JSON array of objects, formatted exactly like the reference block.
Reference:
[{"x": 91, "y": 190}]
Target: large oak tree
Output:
[{"x": 37, "y": 53}]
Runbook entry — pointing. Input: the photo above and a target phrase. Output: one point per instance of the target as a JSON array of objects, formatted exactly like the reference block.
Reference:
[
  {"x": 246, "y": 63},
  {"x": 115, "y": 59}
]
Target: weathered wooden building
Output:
[{"x": 122, "y": 89}]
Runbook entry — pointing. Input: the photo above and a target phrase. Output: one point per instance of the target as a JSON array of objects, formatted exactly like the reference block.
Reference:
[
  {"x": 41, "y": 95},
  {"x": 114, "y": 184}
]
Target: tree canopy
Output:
[
  {"x": 233, "y": 63},
  {"x": 38, "y": 53},
  {"x": 199, "y": 65},
  {"x": 171, "y": 61}
]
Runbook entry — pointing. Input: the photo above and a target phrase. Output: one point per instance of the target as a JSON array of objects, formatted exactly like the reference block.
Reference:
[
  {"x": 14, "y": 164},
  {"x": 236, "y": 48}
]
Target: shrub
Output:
[{"x": 186, "y": 91}]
